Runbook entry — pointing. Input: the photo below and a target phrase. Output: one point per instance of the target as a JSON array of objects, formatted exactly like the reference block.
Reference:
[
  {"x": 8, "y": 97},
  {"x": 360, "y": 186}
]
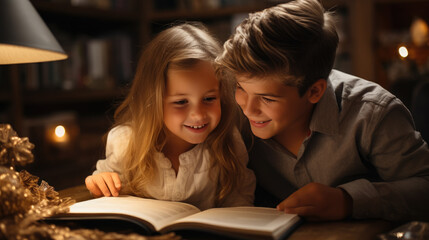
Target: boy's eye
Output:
[
  {"x": 268, "y": 100},
  {"x": 181, "y": 102}
]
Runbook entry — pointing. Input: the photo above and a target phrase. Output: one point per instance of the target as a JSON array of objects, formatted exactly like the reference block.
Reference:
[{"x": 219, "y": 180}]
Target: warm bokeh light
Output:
[
  {"x": 419, "y": 32},
  {"x": 403, "y": 51},
  {"x": 60, "y": 131}
]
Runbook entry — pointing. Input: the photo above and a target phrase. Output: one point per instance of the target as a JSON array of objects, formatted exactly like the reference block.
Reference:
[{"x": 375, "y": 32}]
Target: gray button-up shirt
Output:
[{"x": 363, "y": 140}]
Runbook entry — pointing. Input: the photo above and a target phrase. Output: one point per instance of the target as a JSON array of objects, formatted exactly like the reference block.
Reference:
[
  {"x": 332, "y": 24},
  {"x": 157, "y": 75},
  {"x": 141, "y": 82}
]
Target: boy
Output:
[{"x": 327, "y": 145}]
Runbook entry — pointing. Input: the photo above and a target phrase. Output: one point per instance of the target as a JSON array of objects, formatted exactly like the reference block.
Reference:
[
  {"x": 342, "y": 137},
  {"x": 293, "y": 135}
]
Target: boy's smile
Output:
[{"x": 259, "y": 124}]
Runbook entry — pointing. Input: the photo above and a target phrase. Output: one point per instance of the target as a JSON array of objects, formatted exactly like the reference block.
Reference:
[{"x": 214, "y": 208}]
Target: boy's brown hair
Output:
[{"x": 296, "y": 41}]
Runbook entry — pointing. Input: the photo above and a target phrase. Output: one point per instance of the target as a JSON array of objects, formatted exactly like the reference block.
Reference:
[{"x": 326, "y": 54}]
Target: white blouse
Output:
[{"x": 193, "y": 183}]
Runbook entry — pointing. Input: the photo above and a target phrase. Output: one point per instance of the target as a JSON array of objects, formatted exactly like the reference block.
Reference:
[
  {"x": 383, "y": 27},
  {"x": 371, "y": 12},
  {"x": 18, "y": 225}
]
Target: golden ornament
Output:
[
  {"x": 14, "y": 197},
  {"x": 13, "y": 149}
]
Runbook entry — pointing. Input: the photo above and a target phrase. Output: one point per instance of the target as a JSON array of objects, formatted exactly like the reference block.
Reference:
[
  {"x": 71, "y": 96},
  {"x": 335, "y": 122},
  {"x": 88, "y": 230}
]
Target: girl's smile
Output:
[{"x": 197, "y": 128}]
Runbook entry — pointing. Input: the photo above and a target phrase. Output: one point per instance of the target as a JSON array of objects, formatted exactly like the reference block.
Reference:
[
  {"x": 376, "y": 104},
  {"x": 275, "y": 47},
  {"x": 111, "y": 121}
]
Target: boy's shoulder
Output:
[{"x": 351, "y": 88}]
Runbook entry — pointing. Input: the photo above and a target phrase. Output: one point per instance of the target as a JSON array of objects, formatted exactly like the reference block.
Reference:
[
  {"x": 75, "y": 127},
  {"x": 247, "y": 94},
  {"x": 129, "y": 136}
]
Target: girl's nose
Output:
[{"x": 198, "y": 112}]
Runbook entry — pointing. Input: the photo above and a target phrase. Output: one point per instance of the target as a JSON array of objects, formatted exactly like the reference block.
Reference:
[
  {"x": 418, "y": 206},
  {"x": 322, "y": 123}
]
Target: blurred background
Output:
[{"x": 66, "y": 107}]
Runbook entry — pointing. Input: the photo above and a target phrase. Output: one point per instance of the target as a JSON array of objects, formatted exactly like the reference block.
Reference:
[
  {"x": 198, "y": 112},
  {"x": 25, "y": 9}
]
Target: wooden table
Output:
[{"x": 338, "y": 230}]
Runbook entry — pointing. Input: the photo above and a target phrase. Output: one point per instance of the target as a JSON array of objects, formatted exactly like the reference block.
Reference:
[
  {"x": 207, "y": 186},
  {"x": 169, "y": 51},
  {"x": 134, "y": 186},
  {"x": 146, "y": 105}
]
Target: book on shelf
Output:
[
  {"x": 102, "y": 63},
  {"x": 157, "y": 216}
]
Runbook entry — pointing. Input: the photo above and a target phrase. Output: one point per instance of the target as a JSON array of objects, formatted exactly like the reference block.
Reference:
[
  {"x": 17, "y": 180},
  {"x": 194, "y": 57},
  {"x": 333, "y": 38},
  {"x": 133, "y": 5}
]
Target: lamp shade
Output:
[{"x": 24, "y": 37}]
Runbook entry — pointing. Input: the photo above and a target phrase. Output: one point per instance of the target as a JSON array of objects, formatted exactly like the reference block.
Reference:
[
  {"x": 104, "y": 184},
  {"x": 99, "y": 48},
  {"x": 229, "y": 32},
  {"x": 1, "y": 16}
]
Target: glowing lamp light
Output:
[
  {"x": 60, "y": 134},
  {"x": 403, "y": 51},
  {"x": 60, "y": 131}
]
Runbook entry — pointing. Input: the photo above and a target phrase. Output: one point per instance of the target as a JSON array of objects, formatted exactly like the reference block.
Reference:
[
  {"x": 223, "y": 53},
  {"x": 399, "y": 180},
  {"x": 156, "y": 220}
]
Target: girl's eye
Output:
[
  {"x": 180, "y": 102},
  {"x": 239, "y": 87},
  {"x": 210, "y": 99}
]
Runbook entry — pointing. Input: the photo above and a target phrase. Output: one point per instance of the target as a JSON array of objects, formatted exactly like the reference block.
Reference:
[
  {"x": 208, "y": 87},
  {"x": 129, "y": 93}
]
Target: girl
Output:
[{"x": 174, "y": 136}]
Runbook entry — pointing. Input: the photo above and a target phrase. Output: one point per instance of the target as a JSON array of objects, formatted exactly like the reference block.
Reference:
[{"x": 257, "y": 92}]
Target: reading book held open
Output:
[{"x": 166, "y": 216}]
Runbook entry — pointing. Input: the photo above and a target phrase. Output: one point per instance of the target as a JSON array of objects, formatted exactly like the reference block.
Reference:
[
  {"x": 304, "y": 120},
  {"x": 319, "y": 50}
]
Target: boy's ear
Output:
[{"x": 316, "y": 91}]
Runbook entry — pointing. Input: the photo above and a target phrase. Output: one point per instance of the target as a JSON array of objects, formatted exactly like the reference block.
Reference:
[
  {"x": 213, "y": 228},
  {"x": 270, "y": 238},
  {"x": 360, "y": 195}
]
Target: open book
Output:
[{"x": 157, "y": 216}]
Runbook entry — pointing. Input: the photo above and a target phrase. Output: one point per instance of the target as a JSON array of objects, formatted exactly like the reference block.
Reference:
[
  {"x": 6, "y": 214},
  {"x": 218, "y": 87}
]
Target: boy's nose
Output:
[{"x": 250, "y": 107}]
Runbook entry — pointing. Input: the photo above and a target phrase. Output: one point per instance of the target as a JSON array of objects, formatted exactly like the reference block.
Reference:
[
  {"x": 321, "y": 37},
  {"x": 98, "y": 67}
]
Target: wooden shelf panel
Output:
[
  {"x": 225, "y": 11},
  {"x": 73, "y": 96},
  {"x": 205, "y": 14},
  {"x": 4, "y": 96},
  {"x": 400, "y": 1},
  {"x": 66, "y": 9}
]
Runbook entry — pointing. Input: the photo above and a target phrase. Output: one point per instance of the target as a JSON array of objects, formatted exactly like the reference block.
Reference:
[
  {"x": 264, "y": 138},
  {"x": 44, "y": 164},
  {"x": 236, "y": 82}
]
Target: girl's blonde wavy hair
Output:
[{"x": 178, "y": 47}]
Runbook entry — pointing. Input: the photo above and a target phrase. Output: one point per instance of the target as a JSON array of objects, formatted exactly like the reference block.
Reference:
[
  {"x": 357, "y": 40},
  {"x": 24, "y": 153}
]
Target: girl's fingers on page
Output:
[
  {"x": 92, "y": 187},
  {"x": 116, "y": 181},
  {"x": 101, "y": 184},
  {"x": 108, "y": 180}
]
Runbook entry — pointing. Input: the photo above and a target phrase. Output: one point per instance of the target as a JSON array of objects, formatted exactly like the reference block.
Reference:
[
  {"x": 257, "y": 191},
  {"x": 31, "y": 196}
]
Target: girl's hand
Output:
[
  {"x": 104, "y": 184},
  {"x": 318, "y": 202}
]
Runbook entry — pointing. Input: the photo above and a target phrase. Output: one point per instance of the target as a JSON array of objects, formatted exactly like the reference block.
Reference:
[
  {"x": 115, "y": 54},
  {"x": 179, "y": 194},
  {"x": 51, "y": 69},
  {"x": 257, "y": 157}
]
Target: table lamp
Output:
[{"x": 24, "y": 37}]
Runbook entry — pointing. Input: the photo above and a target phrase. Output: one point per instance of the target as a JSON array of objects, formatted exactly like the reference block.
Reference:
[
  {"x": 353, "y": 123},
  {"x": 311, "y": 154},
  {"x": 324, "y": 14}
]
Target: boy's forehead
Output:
[
  {"x": 271, "y": 85},
  {"x": 247, "y": 78}
]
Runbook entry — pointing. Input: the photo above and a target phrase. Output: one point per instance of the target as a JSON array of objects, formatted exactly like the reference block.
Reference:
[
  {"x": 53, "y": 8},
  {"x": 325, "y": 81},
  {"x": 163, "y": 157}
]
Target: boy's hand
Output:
[
  {"x": 104, "y": 184},
  {"x": 318, "y": 202}
]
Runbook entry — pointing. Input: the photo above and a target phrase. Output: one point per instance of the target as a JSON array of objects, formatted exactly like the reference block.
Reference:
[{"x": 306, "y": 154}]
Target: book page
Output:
[
  {"x": 159, "y": 213},
  {"x": 251, "y": 220}
]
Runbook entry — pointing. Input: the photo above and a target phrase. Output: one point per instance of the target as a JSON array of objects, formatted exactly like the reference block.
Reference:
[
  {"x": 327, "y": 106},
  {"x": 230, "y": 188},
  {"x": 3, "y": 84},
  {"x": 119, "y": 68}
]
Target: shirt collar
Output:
[
  {"x": 186, "y": 158},
  {"x": 189, "y": 157},
  {"x": 325, "y": 118}
]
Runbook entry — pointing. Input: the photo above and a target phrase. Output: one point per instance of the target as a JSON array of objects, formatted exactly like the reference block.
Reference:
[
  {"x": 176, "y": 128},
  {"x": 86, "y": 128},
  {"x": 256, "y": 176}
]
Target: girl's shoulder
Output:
[{"x": 120, "y": 132}]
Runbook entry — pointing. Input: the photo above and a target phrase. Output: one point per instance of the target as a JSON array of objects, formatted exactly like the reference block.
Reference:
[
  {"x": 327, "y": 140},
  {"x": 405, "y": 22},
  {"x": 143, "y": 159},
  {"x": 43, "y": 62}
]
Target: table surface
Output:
[{"x": 336, "y": 230}]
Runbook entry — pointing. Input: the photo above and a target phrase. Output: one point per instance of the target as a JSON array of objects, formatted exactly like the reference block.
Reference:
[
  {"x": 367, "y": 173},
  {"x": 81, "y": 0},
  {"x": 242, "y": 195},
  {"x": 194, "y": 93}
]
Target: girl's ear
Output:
[{"x": 316, "y": 91}]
